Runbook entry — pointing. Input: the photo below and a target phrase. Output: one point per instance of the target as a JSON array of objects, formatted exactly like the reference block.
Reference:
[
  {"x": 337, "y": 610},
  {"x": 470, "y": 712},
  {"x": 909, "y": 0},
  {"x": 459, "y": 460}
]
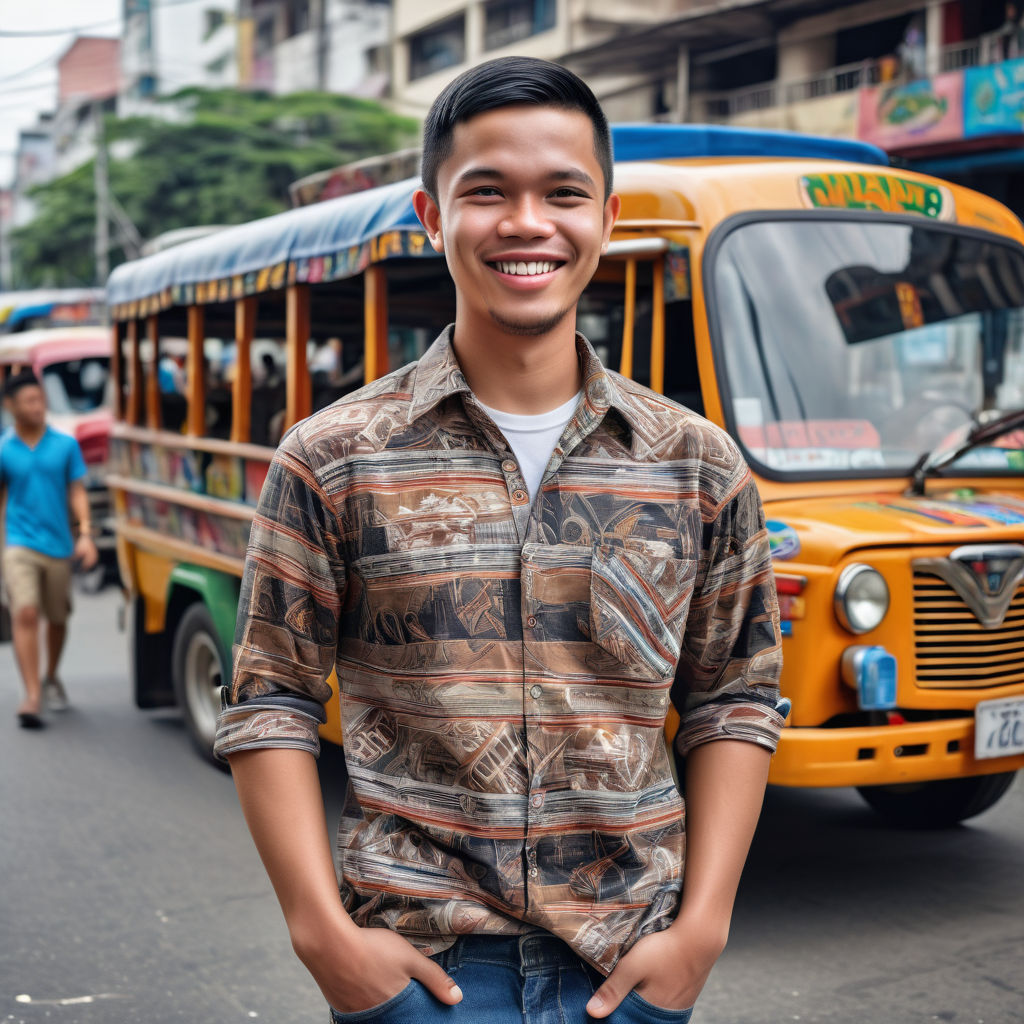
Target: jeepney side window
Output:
[
  {"x": 220, "y": 355},
  {"x": 601, "y": 318},
  {"x": 421, "y": 303},
  {"x": 120, "y": 377},
  {"x": 172, "y": 370},
  {"x": 268, "y": 362},
  {"x": 335, "y": 351},
  {"x": 269, "y": 359}
]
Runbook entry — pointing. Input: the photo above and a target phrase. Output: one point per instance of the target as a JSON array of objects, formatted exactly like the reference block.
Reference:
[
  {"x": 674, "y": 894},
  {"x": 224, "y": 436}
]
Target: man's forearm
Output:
[
  {"x": 355, "y": 968},
  {"x": 279, "y": 791},
  {"x": 725, "y": 784},
  {"x": 79, "y": 500}
]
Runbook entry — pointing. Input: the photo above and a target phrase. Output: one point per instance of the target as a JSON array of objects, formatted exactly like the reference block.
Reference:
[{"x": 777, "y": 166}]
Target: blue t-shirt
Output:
[{"x": 36, "y": 480}]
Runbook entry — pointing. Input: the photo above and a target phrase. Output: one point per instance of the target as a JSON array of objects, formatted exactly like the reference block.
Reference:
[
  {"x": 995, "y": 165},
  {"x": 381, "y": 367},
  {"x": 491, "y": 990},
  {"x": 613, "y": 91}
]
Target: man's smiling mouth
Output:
[{"x": 523, "y": 268}]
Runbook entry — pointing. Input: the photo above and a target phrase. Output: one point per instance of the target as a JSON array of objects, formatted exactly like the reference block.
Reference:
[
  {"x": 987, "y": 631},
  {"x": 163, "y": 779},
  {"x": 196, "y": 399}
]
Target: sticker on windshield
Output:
[
  {"x": 782, "y": 540},
  {"x": 949, "y": 512},
  {"x": 885, "y": 192}
]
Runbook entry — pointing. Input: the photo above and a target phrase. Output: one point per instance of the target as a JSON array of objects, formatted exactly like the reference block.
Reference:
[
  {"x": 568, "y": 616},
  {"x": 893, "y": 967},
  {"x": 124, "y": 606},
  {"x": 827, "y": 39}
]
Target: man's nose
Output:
[{"x": 527, "y": 219}]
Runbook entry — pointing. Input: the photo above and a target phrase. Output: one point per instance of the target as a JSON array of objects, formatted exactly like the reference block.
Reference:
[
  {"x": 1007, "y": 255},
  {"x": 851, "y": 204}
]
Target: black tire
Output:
[
  {"x": 198, "y": 668},
  {"x": 938, "y": 804}
]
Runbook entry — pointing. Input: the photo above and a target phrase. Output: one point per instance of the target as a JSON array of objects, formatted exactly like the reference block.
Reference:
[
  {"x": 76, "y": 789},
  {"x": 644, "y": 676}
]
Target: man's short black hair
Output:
[
  {"x": 509, "y": 82},
  {"x": 15, "y": 383}
]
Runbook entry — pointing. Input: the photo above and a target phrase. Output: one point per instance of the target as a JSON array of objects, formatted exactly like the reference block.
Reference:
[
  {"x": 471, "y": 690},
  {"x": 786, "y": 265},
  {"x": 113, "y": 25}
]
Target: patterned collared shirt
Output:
[{"x": 506, "y": 667}]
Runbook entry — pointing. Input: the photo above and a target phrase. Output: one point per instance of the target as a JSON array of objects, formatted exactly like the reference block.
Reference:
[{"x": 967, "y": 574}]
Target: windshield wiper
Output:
[{"x": 969, "y": 436}]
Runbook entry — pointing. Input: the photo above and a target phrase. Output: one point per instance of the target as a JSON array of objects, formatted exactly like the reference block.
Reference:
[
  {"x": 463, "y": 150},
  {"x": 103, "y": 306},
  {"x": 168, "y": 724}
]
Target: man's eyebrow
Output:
[{"x": 493, "y": 174}]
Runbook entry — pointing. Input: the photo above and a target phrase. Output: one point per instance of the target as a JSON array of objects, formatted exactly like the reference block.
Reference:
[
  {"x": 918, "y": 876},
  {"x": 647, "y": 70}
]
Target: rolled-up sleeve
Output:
[
  {"x": 287, "y": 629},
  {"x": 727, "y": 681}
]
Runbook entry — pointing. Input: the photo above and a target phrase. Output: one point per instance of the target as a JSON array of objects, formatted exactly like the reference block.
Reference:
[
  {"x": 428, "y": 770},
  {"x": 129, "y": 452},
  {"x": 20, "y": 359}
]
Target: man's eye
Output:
[
  {"x": 568, "y": 193},
  {"x": 486, "y": 191}
]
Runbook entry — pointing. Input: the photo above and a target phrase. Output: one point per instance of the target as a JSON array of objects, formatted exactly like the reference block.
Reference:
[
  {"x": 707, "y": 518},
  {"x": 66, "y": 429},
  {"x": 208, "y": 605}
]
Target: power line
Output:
[
  {"x": 71, "y": 29},
  {"x": 31, "y": 88},
  {"x": 74, "y": 29},
  {"x": 34, "y": 67}
]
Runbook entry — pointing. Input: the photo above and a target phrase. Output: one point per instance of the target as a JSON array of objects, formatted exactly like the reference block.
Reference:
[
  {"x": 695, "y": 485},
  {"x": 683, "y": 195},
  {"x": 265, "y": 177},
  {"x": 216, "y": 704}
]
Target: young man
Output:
[
  {"x": 515, "y": 558},
  {"x": 41, "y": 473}
]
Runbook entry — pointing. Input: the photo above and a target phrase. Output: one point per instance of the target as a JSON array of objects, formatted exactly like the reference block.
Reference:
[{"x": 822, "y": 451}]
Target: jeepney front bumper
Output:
[{"x": 882, "y": 755}]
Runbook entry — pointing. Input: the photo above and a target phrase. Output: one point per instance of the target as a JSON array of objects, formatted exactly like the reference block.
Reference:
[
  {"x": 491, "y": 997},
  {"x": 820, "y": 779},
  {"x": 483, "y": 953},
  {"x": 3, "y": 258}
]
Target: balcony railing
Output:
[
  {"x": 961, "y": 55},
  {"x": 846, "y": 78}
]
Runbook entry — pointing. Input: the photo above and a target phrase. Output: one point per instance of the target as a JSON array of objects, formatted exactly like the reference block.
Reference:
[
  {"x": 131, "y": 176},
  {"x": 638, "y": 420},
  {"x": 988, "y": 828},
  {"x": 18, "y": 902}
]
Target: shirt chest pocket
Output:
[{"x": 639, "y": 598}]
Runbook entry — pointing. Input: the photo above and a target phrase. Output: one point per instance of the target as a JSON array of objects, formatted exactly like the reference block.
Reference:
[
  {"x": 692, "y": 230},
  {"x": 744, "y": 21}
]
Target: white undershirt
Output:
[{"x": 533, "y": 438}]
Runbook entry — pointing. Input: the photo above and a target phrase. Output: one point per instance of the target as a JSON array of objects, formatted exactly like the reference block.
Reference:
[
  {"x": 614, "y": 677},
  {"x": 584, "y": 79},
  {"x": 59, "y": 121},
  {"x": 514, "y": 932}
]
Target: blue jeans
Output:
[{"x": 533, "y": 979}]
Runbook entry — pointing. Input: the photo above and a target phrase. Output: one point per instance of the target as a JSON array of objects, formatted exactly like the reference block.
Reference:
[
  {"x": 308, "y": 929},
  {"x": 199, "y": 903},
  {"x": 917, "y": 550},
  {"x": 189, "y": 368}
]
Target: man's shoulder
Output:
[
  {"x": 672, "y": 431},
  {"x": 361, "y": 422},
  {"x": 67, "y": 444}
]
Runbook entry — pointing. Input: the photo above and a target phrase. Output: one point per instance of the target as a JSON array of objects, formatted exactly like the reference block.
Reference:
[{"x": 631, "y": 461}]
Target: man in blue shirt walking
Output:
[{"x": 41, "y": 474}]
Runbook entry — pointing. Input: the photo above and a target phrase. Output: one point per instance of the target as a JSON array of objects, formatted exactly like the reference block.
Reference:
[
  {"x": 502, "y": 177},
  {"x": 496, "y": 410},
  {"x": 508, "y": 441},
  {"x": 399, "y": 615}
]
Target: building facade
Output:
[
  {"x": 432, "y": 43},
  {"x": 167, "y": 47},
  {"x": 88, "y": 83},
  {"x": 336, "y": 46}
]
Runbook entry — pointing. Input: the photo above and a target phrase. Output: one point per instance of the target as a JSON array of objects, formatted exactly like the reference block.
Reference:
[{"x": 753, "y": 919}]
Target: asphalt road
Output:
[{"x": 130, "y": 891}]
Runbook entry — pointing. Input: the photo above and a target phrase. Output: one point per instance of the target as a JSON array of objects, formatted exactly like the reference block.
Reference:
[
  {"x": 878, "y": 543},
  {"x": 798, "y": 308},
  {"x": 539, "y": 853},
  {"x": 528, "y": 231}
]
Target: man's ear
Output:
[
  {"x": 430, "y": 217},
  {"x": 612, "y": 206}
]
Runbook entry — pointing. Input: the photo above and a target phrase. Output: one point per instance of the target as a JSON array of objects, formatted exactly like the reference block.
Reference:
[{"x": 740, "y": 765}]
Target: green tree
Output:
[{"x": 220, "y": 157}]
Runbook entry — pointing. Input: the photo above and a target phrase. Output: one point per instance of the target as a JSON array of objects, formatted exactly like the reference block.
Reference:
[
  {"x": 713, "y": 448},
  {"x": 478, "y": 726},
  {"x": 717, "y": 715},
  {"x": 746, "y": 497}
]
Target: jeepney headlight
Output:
[{"x": 862, "y": 598}]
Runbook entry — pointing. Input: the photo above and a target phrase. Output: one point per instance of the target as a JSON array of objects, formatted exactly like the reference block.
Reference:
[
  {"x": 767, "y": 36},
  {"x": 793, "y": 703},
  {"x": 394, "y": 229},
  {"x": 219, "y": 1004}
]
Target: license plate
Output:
[{"x": 999, "y": 727}]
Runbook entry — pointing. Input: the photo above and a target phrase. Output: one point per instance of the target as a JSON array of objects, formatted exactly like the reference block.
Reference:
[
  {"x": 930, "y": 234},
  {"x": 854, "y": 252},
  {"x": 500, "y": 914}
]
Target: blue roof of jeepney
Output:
[{"x": 340, "y": 224}]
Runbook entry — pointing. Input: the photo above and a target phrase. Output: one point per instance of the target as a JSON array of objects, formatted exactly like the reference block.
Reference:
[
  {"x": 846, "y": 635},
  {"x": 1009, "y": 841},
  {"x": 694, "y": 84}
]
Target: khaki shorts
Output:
[{"x": 35, "y": 580}]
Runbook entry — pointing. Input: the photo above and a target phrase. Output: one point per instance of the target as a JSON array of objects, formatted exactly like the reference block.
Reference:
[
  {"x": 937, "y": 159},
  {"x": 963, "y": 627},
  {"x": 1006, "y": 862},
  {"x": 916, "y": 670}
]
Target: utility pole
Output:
[
  {"x": 102, "y": 186},
  {"x": 322, "y": 45}
]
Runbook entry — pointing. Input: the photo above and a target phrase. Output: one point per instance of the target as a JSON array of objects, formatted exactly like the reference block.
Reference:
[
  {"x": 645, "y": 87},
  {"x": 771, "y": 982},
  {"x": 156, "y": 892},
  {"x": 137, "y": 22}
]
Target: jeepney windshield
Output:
[{"x": 856, "y": 345}]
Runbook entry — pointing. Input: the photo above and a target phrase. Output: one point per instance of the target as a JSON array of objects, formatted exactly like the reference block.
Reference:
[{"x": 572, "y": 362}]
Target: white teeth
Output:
[{"x": 525, "y": 269}]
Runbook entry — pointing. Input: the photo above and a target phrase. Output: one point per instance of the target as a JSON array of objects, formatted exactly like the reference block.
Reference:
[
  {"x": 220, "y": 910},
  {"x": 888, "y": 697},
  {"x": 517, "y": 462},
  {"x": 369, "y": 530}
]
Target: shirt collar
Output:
[{"x": 438, "y": 376}]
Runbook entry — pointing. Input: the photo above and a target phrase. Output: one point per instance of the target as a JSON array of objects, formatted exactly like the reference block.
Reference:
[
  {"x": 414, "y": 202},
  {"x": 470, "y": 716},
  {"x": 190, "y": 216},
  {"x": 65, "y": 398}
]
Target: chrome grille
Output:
[{"x": 953, "y": 650}]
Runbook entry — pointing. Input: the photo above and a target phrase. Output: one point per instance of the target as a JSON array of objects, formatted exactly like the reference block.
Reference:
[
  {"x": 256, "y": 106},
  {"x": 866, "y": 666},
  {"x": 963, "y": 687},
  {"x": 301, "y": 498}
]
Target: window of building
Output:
[
  {"x": 214, "y": 18},
  {"x": 439, "y": 47},
  {"x": 868, "y": 42},
  {"x": 737, "y": 72},
  {"x": 378, "y": 59},
  {"x": 508, "y": 21},
  {"x": 218, "y": 66},
  {"x": 264, "y": 35},
  {"x": 296, "y": 17}
]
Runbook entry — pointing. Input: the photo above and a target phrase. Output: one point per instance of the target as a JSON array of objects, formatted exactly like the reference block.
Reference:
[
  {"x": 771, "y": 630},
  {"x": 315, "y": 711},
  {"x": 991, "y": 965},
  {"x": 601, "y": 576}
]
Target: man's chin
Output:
[{"x": 530, "y": 328}]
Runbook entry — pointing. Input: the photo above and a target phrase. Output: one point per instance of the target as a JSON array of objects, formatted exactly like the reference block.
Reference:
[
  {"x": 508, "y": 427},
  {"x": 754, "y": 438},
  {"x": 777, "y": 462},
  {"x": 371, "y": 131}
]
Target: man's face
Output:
[
  {"x": 520, "y": 216},
  {"x": 28, "y": 407}
]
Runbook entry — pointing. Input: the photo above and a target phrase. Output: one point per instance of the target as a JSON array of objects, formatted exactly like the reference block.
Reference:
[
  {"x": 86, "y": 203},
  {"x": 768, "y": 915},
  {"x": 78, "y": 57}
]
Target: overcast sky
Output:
[{"x": 28, "y": 64}]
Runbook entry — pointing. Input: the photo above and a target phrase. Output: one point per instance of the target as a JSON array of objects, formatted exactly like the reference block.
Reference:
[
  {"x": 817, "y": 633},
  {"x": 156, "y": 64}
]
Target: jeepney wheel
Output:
[
  {"x": 938, "y": 804},
  {"x": 198, "y": 668}
]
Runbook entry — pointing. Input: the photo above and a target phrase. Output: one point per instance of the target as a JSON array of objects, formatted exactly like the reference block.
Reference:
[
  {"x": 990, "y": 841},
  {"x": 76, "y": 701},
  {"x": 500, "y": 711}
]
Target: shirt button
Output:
[
  {"x": 531, "y": 621},
  {"x": 536, "y": 691},
  {"x": 537, "y": 800},
  {"x": 519, "y": 496},
  {"x": 509, "y": 466}
]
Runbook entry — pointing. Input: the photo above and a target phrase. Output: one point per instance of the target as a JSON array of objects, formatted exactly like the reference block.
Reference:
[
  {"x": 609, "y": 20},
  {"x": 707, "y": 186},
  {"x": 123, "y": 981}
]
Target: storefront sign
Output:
[
  {"x": 994, "y": 99},
  {"x": 906, "y": 116}
]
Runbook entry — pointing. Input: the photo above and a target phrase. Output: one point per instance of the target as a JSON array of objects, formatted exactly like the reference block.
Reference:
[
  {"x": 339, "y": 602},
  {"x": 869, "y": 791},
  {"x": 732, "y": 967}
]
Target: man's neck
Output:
[
  {"x": 29, "y": 435},
  {"x": 521, "y": 374}
]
